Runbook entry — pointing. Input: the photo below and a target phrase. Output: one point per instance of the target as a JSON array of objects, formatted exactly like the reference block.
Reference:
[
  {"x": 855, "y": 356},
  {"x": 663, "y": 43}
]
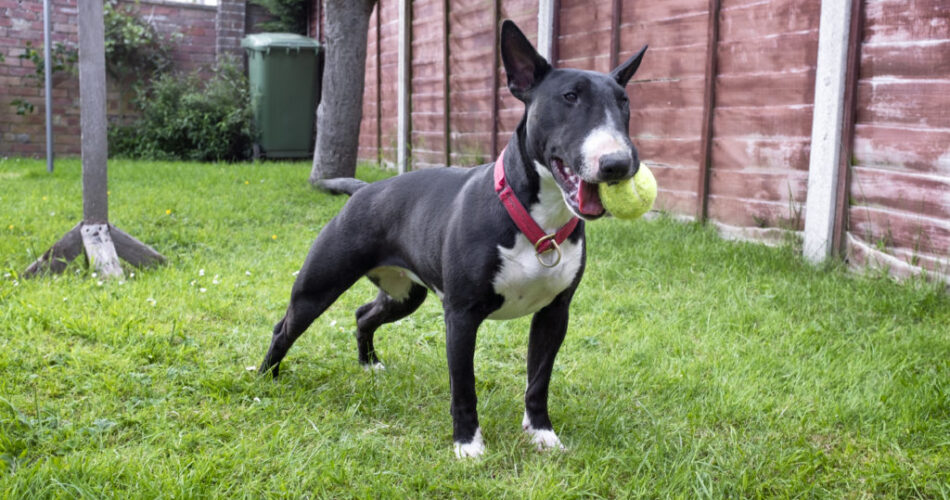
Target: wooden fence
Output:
[{"x": 722, "y": 107}]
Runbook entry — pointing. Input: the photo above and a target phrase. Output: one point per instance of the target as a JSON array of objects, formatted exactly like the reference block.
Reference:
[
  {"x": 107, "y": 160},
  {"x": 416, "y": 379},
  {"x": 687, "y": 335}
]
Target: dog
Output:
[{"x": 498, "y": 241}]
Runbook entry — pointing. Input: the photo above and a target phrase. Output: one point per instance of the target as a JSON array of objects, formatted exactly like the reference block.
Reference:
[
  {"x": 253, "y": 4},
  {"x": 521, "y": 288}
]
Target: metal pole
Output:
[{"x": 48, "y": 77}]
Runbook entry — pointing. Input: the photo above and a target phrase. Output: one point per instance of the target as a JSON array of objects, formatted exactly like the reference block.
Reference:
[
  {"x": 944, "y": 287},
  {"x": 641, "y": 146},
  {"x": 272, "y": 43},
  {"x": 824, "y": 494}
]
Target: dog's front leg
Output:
[
  {"x": 548, "y": 327},
  {"x": 460, "y": 330}
]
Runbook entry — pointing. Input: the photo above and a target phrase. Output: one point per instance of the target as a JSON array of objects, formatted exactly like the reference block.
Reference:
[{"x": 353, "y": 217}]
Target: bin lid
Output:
[{"x": 265, "y": 41}]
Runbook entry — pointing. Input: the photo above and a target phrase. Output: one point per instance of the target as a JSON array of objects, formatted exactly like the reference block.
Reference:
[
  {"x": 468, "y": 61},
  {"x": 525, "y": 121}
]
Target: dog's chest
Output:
[
  {"x": 526, "y": 285},
  {"x": 522, "y": 280}
]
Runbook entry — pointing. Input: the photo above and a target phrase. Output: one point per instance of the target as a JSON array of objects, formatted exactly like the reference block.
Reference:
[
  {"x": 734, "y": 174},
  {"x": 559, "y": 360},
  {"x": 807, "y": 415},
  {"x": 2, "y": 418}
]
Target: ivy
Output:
[
  {"x": 134, "y": 48},
  {"x": 64, "y": 59}
]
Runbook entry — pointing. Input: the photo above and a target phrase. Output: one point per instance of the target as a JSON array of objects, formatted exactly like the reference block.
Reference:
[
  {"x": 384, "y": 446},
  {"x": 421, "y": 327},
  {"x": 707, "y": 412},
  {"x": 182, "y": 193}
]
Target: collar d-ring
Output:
[
  {"x": 525, "y": 223},
  {"x": 554, "y": 247}
]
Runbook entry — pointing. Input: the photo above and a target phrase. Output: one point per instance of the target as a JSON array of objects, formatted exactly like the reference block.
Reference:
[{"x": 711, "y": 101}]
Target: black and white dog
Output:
[{"x": 497, "y": 241}]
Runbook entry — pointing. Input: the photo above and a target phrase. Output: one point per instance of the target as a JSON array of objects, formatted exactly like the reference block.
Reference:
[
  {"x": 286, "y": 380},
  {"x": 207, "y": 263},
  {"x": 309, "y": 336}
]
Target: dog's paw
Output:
[
  {"x": 543, "y": 439},
  {"x": 473, "y": 449},
  {"x": 376, "y": 367}
]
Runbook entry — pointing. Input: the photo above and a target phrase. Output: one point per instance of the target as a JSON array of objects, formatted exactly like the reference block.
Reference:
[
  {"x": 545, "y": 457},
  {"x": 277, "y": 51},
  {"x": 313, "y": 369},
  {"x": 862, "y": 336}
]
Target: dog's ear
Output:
[
  {"x": 625, "y": 71},
  {"x": 523, "y": 65}
]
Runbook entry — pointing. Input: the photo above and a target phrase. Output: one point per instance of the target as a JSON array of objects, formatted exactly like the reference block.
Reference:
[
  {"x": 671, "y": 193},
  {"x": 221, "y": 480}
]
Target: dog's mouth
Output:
[{"x": 582, "y": 197}]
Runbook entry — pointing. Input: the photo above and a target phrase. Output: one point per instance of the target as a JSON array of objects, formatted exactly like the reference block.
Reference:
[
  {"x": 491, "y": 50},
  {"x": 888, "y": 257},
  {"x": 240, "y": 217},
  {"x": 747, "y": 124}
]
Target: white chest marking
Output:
[{"x": 525, "y": 284}]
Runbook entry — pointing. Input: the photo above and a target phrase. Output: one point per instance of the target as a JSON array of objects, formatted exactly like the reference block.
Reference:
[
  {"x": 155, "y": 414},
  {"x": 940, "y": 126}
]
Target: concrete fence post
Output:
[
  {"x": 404, "y": 86},
  {"x": 546, "y": 29},
  {"x": 827, "y": 123}
]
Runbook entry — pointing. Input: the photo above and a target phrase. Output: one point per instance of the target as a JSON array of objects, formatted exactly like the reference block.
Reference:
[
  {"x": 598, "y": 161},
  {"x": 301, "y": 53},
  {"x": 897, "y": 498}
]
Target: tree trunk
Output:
[{"x": 341, "y": 105}]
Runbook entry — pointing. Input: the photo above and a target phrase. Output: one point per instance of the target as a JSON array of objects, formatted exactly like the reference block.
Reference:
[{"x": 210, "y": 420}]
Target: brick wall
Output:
[
  {"x": 201, "y": 34},
  {"x": 230, "y": 28}
]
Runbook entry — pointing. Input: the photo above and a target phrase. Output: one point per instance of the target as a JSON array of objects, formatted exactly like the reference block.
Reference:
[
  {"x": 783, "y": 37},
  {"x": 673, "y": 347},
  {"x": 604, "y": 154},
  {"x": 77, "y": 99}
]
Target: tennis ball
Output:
[{"x": 630, "y": 198}]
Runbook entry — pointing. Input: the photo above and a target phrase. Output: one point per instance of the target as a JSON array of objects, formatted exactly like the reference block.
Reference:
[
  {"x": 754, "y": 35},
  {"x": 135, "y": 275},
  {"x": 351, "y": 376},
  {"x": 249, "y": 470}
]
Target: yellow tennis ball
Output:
[{"x": 631, "y": 198}]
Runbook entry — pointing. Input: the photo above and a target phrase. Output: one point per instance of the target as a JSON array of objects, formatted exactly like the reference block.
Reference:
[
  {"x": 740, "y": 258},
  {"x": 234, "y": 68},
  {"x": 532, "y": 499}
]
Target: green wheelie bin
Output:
[{"x": 284, "y": 72}]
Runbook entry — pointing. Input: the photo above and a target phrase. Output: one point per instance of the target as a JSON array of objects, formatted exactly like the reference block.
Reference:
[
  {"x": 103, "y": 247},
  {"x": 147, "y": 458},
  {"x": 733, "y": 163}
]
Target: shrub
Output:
[
  {"x": 289, "y": 15},
  {"x": 184, "y": 118}
]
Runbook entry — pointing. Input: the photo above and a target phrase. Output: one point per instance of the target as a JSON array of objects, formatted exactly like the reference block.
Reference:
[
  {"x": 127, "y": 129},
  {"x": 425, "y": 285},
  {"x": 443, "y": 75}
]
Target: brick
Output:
[{"x": 65, "y": 28}]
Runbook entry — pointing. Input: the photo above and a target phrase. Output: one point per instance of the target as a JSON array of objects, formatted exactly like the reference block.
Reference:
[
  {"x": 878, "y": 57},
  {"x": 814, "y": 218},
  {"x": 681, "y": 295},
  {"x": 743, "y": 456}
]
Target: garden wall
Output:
[
  {"x": 735, "y": 151},
  {"x": 203, "y": 32}
]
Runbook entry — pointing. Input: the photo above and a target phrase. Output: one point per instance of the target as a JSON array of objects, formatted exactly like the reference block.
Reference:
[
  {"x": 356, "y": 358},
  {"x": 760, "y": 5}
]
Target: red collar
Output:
[{"x": 542, "y": 242}]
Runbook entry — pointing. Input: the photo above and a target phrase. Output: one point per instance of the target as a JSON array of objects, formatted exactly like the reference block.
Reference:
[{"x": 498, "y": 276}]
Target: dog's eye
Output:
[
  {"x": 623, "y": 101},
  {"x": 570, "y": 97}
]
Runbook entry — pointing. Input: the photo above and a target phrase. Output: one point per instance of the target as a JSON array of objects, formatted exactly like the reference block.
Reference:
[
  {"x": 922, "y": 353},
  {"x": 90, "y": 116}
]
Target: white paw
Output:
[
  {"x": 543, "y": 439},
  {"x": 476, "y": 448},
  {"x": 376, "y": 367}
]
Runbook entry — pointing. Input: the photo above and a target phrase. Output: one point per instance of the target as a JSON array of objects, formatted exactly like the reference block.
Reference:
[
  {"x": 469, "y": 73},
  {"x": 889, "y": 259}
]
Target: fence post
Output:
[
  {"x": 709, "y": 104},
  {"x": 403, "y": 94},
  {"x": 843, "y": 194},
  {"x": 615, "y": 15},
  {"x": 446, "y": 87},
  {"x": 379, "y": 87},
  {"x": 827, "y": 124},
  {"x": 495, "y": 77},
  {"x": 546, "y": 38}
]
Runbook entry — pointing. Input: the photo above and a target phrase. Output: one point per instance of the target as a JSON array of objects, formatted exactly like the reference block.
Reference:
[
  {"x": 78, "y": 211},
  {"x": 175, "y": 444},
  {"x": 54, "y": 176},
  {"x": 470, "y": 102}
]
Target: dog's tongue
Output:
[{"x": 588, "y": 199}]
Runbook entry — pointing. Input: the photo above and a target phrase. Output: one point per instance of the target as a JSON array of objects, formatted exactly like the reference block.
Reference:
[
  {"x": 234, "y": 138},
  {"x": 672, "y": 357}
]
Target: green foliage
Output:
[
  {"x": 134, "y": 48},
  {"x": 186, "y": 118},
  {"x": 23, "y": 107},
  {"x": 290, "y": 15},
  {"x": 64, "y": 58},
  {"x": 693, "y": 367}
]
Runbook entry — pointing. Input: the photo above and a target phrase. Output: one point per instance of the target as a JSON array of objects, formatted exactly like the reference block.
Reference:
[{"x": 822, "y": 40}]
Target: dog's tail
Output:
[{"x": 340, "y": 185}]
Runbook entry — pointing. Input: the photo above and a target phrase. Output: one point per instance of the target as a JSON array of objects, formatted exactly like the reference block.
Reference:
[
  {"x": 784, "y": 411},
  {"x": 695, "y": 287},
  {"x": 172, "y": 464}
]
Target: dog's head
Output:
[{"x": 576, "y": 122}]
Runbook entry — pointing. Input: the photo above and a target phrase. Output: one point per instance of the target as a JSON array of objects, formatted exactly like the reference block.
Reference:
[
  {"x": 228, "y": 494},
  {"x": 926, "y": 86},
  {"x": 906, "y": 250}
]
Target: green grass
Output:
[{"x": 694, "y": 367}]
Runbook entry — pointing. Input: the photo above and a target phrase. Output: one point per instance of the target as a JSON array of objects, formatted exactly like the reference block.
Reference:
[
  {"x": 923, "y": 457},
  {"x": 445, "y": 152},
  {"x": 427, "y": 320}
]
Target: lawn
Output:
[{"x": 694, "y": 367}]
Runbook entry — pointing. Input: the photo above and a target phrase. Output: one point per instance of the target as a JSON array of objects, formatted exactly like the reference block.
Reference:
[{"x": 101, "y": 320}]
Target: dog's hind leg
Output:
[
  {"x": 329, "y": 270},
  {"x": 384, "y": 309},
  {"x": 304, "y": 308}
]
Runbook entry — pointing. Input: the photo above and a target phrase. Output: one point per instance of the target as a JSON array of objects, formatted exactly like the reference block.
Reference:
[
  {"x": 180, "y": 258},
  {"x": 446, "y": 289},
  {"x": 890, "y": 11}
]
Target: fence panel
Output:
[{"x": 900, "y": 177}]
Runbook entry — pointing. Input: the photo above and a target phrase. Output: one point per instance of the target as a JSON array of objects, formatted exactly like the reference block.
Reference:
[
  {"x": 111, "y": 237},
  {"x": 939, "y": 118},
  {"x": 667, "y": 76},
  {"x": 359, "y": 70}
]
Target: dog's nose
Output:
[{"x": 617, "y": 166}]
